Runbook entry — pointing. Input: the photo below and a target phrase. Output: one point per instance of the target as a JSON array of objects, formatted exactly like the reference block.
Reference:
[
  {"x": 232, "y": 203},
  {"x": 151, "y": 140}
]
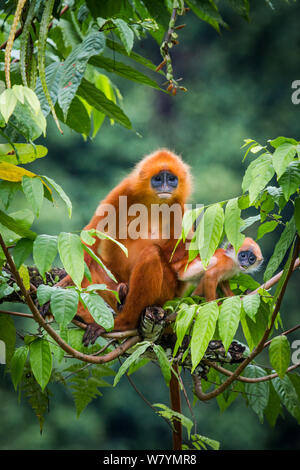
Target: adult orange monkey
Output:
[{"x": 161, "y": 180}]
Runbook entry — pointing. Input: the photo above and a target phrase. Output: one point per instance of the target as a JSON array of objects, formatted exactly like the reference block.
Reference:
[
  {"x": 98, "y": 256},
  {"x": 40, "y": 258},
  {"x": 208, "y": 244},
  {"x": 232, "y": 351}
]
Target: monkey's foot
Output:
[
  {"x": 152, "y": 322},
  {"x": 45, "y": 311},
  {"x": 92, "y": 332}
]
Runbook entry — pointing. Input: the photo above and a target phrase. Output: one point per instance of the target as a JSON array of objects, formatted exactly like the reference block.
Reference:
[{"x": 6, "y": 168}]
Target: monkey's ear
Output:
[{"x": 229, "y": 247}]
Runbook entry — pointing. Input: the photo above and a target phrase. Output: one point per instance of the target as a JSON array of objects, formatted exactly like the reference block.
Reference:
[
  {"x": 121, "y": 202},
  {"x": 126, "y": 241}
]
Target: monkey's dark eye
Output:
[
  {"x": 252, "y": 259},
  {"x": 172, "y": 180},
  {"x": 243, "y": 254}
]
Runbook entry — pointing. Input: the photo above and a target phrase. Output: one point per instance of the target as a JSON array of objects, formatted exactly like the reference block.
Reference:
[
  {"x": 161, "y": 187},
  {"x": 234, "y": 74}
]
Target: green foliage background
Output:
[{"x": 239, "y": 85}]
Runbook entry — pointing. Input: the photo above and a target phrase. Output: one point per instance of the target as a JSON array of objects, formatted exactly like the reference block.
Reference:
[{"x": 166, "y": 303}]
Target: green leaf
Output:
[
  {"x": 78, "y": 118},
  {"x": 183, "y": 322},
  {"x": 207, "y": 11},
  {"x": 163, "y": 361},
  {"x": 290, "y": 180},
  {"x": 99, "y": 310},
  {"x": 282, "y": 140},
  {"x": 8, "y": 101},
  {"x": 212, "y": 224},
  {"x": 34, "y": 191},
  {"x": 229, "y": 319},
  {"x": 280, "y": 354},
  {"x": 61, "y": 193},
  {"x": 22, "y": 251},
  {"x": 123, "y": 70},
  {"x": 258, "y": 392},
  {"x": 8, "y": 336},
  {"x": 100, "y": 262},
  {"x": 257, "y": 175},
  {"x": 19, "y": 227},
  {"x": 288, "y": 395},
  {"x": 251, "y": 305},
  {"x": 116, "y": 47},
  {"x": 26, "y": 153},
  {"x": 71, "y": 254},
  {"x": 203, "y": 331},
  {"x": 282, "y": 157},
  {"x": 233, "y": 223},
  {"x": 41, "y": 361},
  {"x": 273, "y": 408},
  {"x": 126, "y": 34},
  {"x": 139, "y": 350},
  {"x": 44, "y": 293},
  {"x": 64, "y": 303},
  {"x": 98, "y": 100},
  {"x": 267, "y": 227},
  {"x": 17, "y": 364},
  {"x": 281, "y": 248},
  {"x": 53, "y": 75},
  {"x": 166, "y": 412},
  {"x": 27, "y": 122},
  {"x": 44, "y": 252},
  {"x": 75, "y": 65}
]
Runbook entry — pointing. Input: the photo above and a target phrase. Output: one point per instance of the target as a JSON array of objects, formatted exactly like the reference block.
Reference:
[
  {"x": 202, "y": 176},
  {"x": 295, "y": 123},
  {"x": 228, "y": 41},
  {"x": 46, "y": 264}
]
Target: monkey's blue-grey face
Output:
[
  {"x": 164, "y": 183},
  {"x": 246, "y": 259}
]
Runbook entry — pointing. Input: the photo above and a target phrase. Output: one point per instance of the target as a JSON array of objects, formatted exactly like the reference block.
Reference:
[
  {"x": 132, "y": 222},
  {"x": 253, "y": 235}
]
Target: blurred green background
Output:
[{"x": 239, "y": 86}]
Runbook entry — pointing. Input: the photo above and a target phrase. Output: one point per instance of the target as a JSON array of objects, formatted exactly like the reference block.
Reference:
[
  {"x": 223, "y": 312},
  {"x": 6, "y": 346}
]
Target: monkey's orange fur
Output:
[
  {"x": 223, "y": 266},
  {"x": 147, "y": 269}
]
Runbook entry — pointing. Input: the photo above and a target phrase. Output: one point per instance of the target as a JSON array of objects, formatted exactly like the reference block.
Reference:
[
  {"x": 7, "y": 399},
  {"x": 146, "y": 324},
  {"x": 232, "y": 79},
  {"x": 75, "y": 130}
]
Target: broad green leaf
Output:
[
  {"x": 280, "y": 354},
  {"x": 288, "y": 395},
  {"x": 188, "y": 220},
  {"x": 99, "y": 310},
  {"x": 282, "y": 157},
  {"x": 267, "y": 227},
  {"x": 24, "y": 274},
  {"x": 44, "y": 293},
  {"x": 290, "y": 180},
  {"x": 126, "y": 34},
  {"x": 100, "y": 262},
  {"x": 53, "y": 76},
  {"x": 282, "y": 140},
  {"x": 74, "y": 67},
  {"x": 17, "y": 365},
  {"x": 8, "y": 336},
  {"x": 257, "y": 175},
  {"x": 27, "y": 122},
  {"x": 115, "y": 46},
  {"x": 163, "y": 361},
  {"x": 123, "y": 70},
  {"x": 41, "y": 361},
  {"x": 258, "y": 392},
  {"x": 203, "y": 331},
  {"x": 138, "y": 351},
  {"x": 34, "y": 192},
  {"x": 172, "y": 415},
  {"x": 208, "y": 12},
  {"x": 273, "y": 408},
  {"x": 26, "y": 153},
  {"x": 251, "y": 305},
  {"x": 8, "y": 101},
  {"x": 71, "y": 254},
  {"x": 22, "y": 251},
  {"x": 254, "y": 330},
  {"x": 17, "y": 226},
  {"x": 232, "y": 224},
  {"x": 99, "y": 101},
  {"x": 64, "y": 304},
  {"x": 281, "y": 248},
  {"x": 183, "y": 322},
  {"x": 229, "y": 319},
  {"x": 61, "y": 193},
  {"x": 44, "y": 252},
  {"x": 212, "y": 224}
]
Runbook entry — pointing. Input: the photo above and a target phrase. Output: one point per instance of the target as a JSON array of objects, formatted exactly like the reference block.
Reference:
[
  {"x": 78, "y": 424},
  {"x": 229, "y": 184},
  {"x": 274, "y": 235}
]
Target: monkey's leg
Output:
[
  {"x": 152, "y": 282},
  {"x": 226, "y": 289}
]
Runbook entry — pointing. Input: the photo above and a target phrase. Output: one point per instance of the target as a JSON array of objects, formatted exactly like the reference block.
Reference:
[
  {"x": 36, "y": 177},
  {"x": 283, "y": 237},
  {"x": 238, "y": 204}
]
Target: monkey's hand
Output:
[{"x": 92, "y": 332}]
